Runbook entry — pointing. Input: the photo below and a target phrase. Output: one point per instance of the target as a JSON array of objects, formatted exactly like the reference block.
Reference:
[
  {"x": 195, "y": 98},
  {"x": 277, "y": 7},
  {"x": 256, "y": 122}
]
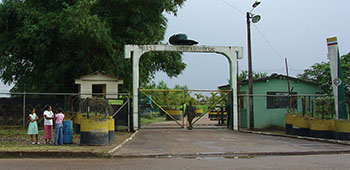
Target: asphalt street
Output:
[
  {"x": 310, "y": 162},
  {"x": 217, "y": 141}
]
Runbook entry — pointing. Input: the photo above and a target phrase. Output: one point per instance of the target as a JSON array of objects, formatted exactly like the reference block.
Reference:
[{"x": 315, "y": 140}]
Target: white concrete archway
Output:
[{"x": 230, "y": 52}]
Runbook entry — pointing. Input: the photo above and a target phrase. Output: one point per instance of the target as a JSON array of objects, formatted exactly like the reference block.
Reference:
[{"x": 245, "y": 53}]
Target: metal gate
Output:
[{"x": 165, "y": 108}]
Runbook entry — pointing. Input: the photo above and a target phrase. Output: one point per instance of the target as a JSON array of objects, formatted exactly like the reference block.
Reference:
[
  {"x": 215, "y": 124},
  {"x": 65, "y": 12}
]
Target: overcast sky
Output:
[{"x": 293, "y": 29}]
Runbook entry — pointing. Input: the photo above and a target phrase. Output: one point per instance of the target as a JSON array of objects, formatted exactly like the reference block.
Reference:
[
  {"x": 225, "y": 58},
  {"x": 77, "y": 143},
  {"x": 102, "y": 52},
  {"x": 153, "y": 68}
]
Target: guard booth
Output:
[
  {"x": 99, "y": 94},
  {"x": 230, "y": 52},
  {"x": 98, "y": 84}
]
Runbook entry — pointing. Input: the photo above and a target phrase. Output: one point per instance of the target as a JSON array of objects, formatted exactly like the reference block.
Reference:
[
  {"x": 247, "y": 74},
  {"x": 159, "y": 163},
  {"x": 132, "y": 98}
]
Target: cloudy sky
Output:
[{"x": 292, "y": 29}]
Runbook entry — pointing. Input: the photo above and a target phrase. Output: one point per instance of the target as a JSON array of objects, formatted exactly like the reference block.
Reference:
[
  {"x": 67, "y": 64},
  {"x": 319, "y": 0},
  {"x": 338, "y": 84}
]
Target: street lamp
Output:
[{"x": 255, "y": 19}]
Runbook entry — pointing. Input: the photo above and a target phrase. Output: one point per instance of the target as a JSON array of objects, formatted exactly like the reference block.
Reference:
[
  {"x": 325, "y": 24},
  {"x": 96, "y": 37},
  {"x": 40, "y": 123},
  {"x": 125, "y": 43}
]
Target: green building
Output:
[{"x": 271, "y": 100}]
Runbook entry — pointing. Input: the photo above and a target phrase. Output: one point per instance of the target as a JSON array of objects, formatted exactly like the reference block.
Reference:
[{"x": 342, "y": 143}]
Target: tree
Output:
[
  {"x": 256, "y": 75},
  {"x": 320, "y": 73},
  {"x": 45, "y": 45}
]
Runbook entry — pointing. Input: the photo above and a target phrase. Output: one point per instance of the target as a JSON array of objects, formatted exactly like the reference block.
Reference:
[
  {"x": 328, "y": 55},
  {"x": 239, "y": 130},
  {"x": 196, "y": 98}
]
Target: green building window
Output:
[{"x": 279, "y": 100}]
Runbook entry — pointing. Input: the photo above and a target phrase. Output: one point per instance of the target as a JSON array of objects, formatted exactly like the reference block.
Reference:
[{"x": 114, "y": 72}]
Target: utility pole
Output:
[
  {"x": 255, "y": 19},
  {"x": 250, "y": 76}
]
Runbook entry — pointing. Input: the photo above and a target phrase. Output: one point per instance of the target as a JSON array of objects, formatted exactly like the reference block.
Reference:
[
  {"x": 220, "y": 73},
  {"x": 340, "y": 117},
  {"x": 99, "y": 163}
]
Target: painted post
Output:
[{"x": 337, "y": 78}]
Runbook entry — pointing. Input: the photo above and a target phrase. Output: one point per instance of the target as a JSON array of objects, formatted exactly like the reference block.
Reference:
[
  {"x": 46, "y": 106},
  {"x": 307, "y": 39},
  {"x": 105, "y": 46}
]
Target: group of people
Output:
[{"x": 49, "y": 118}]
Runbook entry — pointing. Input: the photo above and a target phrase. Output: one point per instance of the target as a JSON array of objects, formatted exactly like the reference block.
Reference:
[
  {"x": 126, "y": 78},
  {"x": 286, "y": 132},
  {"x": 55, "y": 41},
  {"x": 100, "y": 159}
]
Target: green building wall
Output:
[{"x": 272, "y": 117}]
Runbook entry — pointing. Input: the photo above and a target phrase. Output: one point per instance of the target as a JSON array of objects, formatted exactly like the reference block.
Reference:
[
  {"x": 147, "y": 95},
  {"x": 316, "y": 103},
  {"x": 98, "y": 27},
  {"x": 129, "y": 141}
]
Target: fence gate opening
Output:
[
  {"x": 165, "y": 108},
  {"x": 231, "y": 53}
]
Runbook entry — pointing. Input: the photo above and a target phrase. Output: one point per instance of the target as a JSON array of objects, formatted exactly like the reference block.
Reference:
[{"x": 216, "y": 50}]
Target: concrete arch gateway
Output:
[{"x": 232, "y": 53}]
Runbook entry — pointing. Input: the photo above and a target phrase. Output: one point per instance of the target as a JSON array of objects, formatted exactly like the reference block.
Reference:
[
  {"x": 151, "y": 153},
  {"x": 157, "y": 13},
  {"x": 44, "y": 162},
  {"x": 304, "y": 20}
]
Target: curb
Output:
[
  {"x": 50, "y": 154},
  {"x": 230, "y": 154},
  {"x": 342, "y": 142}
]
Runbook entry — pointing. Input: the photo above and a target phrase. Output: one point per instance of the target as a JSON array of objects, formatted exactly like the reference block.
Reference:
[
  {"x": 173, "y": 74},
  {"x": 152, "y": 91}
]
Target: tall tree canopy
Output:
[
  {"x": 320, "y": 73},
  {"x": 44, "y": 45}
]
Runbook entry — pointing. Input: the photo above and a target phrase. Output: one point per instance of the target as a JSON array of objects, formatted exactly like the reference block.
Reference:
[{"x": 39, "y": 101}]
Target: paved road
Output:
[
  {"x": 207, "y": 141},
  {"x": 314, "y": 162}
]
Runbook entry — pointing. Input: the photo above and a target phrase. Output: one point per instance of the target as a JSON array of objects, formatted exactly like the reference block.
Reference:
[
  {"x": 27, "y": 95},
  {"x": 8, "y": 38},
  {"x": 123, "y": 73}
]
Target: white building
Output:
[{"x": 98, "y": 84}]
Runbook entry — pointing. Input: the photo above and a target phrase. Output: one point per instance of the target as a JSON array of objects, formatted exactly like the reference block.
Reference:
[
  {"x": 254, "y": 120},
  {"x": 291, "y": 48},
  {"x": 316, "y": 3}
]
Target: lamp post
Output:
[{"x": 251, "y": 18}]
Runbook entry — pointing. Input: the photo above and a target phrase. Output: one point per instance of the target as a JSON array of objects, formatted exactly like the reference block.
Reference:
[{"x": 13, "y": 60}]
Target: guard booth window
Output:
[
  {"x": 99, "y": 89},
  {"x": 279, "y": 100}
]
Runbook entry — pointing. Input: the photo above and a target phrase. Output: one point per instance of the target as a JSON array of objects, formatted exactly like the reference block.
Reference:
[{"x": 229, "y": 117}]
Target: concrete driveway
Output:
[{"x": 153, "y": 142}]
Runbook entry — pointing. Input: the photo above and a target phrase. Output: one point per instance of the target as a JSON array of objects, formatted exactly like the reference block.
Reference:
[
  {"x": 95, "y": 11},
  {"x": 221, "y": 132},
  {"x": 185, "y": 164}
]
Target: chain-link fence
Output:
[
  {"x": 269, "y": 109},
  {"x": 14, "y": 107}
]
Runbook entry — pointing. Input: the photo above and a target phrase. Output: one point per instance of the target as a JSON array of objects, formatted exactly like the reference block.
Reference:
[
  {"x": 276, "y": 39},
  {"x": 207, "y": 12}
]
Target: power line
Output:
[
  {"x": 233, "y": 7},
  {"x": 270, "y": 45},
  {"x": 261, "y": 34}
]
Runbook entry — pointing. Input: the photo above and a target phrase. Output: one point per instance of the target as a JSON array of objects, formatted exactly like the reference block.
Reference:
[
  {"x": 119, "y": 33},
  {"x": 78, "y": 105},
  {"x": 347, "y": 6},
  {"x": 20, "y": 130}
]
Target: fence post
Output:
[
  {"x": 323, "y": 110},
  {"x": 130, "y": 118},
  {"x": 332, "y": 109},
  {"x": 87, "y": 108},
  {"x": 106, "y": 108},
  {"x": 65, "y": 104},
  {"x": 303, "y": 106},
  {"x": 183, "y": 108},
  {"x": 24, "y": 109},
  {"x": 309, "y": 104},
  {"x": 312, "y": 109}
]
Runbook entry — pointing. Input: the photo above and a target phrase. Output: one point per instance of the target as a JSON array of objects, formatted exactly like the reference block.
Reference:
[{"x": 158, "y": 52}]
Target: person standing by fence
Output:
[
  {"x": 33, "y": 126},
  {"x": 48, "y": 122},
  {"x": 190, "y": 112},
  {"x": 59, "y": 127}
]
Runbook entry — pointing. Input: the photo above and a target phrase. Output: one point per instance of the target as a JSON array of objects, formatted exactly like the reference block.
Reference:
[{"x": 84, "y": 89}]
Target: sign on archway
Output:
[{"x": 232, "y": 53}]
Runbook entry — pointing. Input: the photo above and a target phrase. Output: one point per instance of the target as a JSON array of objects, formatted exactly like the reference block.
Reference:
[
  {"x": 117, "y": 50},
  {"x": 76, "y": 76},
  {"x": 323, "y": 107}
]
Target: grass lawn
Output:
[
  {"x": 145, "y": 121},
  {"x": 16, "y": 139}
]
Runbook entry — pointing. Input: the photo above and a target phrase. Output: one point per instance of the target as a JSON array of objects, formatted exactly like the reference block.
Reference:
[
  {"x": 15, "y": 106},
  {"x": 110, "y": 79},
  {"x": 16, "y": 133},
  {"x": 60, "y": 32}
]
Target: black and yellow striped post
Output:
[
  {"x": 289, "y": 124},
  {"x": 300, "y": 126},
  {"x": 176, "y": 114},
  {"x": 76, "y": 122},
  {"x": 94, "y": 131},
  {"x": 110, "y": 129},
  {"x": 199, "y": 112},
  {"x": 342, "y": 129},
  {"x": 322, "y": 128}
]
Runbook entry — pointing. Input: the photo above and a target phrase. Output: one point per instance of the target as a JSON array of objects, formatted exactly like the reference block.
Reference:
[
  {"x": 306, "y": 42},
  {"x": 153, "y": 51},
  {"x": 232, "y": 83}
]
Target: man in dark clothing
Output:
[{"x": 191, "y": 114}]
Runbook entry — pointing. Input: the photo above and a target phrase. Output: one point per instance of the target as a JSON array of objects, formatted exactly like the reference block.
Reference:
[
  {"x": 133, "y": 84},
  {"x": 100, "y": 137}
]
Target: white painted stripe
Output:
[{"x": 125, "y": 141}]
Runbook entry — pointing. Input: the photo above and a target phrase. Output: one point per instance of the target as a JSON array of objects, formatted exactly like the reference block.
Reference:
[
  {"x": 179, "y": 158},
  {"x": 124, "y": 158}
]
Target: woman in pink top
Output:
[{"x": 59, "y": 127}]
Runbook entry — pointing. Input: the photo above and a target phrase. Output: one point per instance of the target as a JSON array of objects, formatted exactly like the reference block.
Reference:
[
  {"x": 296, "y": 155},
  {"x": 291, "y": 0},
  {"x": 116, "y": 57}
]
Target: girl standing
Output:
[
  {"x": 59, "y": 127},
  {"x": 48, "y": 123},
  {"x": 33, "y": 126}
]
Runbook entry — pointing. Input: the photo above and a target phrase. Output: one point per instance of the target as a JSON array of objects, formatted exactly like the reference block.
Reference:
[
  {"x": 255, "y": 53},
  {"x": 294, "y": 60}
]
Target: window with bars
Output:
[{"x": 279, "y": 100}]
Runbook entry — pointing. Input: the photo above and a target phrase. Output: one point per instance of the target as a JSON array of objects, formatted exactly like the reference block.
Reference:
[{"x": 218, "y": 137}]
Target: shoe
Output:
[
  {"x": 33, "y": 143},
  {"x": 38, "y": 143}
]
